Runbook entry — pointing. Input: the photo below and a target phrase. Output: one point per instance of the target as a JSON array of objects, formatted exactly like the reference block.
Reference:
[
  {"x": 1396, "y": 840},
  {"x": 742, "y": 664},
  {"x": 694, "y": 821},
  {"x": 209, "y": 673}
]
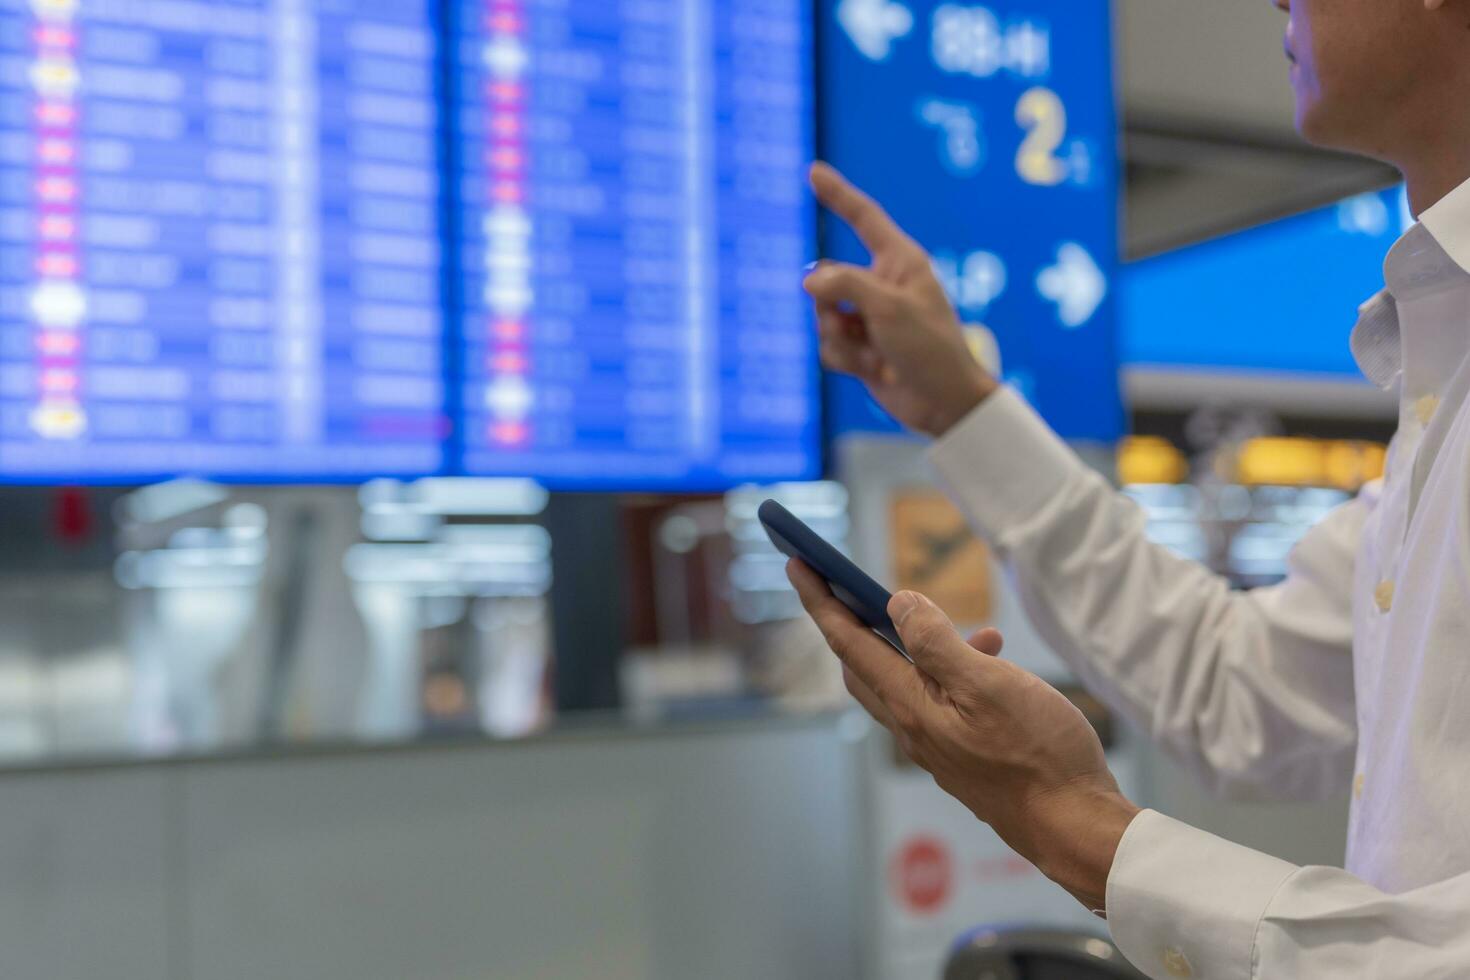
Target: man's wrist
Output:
[
  {"x": 954, "y": 409},
  {"x": 1078, "y": 839}
]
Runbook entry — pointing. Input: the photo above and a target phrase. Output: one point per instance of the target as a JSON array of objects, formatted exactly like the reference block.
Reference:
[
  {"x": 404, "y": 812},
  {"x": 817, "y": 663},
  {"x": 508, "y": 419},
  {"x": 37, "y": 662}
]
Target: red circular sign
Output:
[{"x": 922, "y": 875}]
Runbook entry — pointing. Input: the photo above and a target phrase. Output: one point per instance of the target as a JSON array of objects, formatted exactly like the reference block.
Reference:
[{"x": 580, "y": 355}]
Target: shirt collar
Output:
[
  {"x": 1449, "y": 222},
  {"x": 1433, "y": 252}
]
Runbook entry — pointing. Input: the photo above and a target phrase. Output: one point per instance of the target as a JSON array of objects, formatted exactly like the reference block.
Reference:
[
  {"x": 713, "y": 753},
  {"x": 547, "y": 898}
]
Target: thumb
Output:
[
  {"x": 988, "y": 641},
  {"x": 933, "y": 643}
]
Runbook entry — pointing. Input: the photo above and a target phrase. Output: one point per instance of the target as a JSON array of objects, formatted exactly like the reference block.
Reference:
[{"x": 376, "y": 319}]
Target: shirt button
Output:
[
  {"x": 1425, "y": 408},
  {"x": 1176, "y": 963},
  {"x": 1358, "y": 782},
  {"x": 1383, "y": 595}
]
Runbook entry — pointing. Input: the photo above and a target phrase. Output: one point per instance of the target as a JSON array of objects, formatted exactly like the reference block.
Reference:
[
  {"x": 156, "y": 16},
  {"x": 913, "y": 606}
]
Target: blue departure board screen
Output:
[
  {"x": 635, "y": 224},
  {"x": 322, "y": 240},
  {"x": 1246, "y": 302},
  {"x": 219, "y": 224},
  {"x": 988, "y": 131}
]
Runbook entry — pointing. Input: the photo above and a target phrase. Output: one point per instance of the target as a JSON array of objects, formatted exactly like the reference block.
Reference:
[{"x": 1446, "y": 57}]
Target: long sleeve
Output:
[
  {"x": 1184, "y": 903},
  {"x": 1252, "y": 690}
]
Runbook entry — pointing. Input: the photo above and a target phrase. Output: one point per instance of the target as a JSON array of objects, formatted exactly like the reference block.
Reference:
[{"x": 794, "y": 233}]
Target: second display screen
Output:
[{"x": 634, "y": 228}]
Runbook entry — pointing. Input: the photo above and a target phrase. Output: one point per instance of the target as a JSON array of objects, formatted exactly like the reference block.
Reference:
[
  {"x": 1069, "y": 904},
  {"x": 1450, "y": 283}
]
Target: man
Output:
[{"x": 1353, "y": 673}]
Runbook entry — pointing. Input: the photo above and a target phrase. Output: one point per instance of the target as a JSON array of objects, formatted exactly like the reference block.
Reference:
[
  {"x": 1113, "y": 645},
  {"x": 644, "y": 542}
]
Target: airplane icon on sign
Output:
[{"x": 874, "y": 25}]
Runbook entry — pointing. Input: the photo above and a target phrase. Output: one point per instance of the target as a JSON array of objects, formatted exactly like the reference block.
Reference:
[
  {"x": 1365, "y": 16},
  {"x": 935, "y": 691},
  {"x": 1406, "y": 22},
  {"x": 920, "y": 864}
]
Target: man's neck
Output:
[
  {"x": 1432, "y": 182},
  {"x": 1439, "y": 157}
]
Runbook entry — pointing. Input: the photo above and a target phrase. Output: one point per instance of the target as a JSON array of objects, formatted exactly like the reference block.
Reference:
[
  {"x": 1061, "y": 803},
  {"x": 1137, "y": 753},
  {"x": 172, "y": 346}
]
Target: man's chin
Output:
[
  {"x": 1328, "y": 133},
  {"x": 1315, "y": 126}
]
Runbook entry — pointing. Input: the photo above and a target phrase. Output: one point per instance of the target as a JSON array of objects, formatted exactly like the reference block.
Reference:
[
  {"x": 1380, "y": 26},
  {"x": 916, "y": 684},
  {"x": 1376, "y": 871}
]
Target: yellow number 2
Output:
[{"x": 1042, "y": 114}]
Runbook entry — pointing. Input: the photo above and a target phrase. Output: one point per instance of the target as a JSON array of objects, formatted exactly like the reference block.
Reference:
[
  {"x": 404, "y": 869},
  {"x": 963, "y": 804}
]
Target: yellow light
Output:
[
  {"x": 1349, "y": 465},
  {"x": 61, "y": 422},
  {"x": 1282, "y": 462},
  {"x": 1149, "y": 459},
  {"x": 982, "y": 346},
  {"x": 55, "y": 78},
  {"x": 1375, "y": 459}
]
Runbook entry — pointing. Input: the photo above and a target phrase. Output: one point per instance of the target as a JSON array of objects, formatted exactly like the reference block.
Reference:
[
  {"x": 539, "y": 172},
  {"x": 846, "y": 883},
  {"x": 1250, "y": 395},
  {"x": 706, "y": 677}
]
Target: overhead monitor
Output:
[
  {"x": 321, "y": 240},
  {"x": 220, "y": 234},
  {"x": 632, "y": 237}
]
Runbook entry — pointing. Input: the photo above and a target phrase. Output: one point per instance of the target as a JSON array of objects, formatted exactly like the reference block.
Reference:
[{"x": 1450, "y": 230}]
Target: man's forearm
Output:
[{"x": 1163, "y": 641}]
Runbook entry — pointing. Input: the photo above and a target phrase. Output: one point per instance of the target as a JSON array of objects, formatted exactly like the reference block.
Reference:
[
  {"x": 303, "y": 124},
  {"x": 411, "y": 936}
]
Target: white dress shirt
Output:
[{"x": 1352, "y": 673}]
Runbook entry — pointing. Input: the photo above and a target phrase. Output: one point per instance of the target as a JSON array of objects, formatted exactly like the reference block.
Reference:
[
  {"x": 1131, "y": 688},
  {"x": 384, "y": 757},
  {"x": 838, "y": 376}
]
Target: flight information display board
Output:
[
  {"x": 322, "y": 240},
  {"x": 634, "y": 227},
  {"x": 219, "y": 228},
  {"x": 1245, "y": 302},
  {"x": 988, "y": 131}
]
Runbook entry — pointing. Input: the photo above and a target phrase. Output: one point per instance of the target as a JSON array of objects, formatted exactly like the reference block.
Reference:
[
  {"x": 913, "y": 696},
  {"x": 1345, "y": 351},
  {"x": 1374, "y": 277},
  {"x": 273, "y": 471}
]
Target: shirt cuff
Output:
[
  {"x": 1002, "y": 463},
  {"x": 1185, "y": 903}
]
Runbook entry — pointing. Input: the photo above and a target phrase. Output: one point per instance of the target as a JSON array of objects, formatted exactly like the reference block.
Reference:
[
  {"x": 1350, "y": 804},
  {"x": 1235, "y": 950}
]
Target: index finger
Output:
[
  {"x": 872, "y": 224},
  {"x": 888, "y": 675}
]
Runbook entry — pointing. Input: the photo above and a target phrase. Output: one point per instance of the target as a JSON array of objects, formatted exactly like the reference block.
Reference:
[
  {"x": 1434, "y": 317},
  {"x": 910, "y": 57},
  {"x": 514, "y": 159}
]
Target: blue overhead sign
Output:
[
  {"x": 1247, "y": 302},
  {"x": 988, "y": 131}
]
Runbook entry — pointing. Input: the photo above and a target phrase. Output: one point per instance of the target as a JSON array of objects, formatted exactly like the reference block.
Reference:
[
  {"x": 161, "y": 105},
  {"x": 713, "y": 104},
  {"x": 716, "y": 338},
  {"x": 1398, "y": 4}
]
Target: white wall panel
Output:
[
  {"x": 715, "y": 856},
  {"x": 84, "y": 875}
]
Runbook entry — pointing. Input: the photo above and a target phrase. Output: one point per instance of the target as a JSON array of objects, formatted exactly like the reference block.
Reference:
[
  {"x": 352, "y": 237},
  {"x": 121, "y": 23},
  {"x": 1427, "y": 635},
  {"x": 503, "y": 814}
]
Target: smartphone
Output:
[{"x": 852, "y": 586}]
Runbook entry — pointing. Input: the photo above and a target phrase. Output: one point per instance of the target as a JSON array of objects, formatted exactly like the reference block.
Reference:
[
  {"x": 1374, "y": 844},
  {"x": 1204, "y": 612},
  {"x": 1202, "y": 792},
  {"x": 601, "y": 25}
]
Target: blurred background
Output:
[{"x": 386, "y": 392}]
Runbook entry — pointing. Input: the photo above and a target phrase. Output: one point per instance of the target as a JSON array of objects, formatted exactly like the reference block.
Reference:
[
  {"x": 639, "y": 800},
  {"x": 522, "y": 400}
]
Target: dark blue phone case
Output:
[{"x": 852, "y": 586}]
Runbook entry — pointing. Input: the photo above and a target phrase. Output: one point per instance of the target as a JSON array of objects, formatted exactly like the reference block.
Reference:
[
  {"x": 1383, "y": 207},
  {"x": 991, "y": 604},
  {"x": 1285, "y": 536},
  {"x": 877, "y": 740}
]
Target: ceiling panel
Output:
[{"x": 1218, "y": 62}]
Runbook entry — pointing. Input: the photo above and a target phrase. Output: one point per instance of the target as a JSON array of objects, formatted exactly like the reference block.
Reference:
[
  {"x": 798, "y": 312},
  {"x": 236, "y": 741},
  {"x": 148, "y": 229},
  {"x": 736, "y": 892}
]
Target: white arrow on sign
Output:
[
  {"x": 874, "y": 25},
  {"x": 1075, "y": 284}
]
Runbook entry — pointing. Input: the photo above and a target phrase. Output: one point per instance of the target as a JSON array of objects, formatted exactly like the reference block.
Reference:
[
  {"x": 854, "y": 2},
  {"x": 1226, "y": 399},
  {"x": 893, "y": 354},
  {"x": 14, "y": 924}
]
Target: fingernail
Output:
[
  {"x": 811, "y": 266},
  {"x": 903, "y": 604}
]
